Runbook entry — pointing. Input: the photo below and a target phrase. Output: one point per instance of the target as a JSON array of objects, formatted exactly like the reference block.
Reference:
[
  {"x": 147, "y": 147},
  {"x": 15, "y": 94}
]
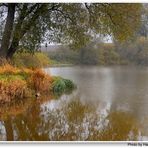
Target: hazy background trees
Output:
[{"x": 135, "y": 50}]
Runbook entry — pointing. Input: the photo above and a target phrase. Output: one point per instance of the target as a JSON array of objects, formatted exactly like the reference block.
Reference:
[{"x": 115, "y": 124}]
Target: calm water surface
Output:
[{"x": 110, "y": 103}]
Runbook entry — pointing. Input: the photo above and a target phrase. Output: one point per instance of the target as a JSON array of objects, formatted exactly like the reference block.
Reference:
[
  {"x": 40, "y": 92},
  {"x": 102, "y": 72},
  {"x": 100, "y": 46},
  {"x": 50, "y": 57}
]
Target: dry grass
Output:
[
  {"x": 9, "y": 69},
  {"x": 12, "y": 83},
  {"x": 17, "y": 83},
  {"x": 10, "y": 90},
  {"x": 20, "y": 82},
  {"x": 40, "y": 81}
]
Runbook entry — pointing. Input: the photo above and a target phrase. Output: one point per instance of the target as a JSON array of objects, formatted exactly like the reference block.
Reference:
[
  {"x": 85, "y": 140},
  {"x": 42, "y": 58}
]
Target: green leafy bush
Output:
[{"x": 61, "y": 85}]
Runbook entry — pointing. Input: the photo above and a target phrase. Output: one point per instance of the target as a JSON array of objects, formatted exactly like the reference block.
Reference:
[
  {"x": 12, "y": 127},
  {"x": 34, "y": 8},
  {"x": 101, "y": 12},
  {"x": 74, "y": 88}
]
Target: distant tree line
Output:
[
  {"x": 93, "y": 54},
  {"x": 96, "y": 53}
]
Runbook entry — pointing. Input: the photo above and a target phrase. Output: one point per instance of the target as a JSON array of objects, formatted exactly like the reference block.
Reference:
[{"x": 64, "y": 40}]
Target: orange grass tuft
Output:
[
  {"x": 12, "y": 89},
  {"x": 40, "y": 81},
  {"x": 8, "y": 69}
]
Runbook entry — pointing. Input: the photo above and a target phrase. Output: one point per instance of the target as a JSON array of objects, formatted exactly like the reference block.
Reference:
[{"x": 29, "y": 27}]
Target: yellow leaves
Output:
[
  {"x": 127, "y": 20},
  {"x": 119, "y": 20}
]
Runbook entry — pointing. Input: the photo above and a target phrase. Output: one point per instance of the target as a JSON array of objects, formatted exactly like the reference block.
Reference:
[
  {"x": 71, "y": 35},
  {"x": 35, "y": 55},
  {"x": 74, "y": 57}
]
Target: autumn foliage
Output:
[
  {"x": 8, "y": 69},
  {"x": 18, "y": 83},
  {"x": 40, "y": 81},
  {"x": 12, "y": 90}
]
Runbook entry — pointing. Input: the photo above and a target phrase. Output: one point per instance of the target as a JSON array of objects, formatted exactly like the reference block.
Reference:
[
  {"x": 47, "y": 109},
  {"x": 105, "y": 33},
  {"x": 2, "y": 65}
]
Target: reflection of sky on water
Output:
[
  {"x": 57, "y": 108},
  {"x": 125, "y": 88},
  {"x": 108, "y": 104}
]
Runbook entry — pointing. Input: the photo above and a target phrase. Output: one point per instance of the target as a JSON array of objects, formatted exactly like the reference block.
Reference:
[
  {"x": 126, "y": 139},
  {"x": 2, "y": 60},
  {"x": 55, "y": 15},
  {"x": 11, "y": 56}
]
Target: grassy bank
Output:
[
  {"x": 19, "y": 83},
  {"x": 36, "y": 60}
]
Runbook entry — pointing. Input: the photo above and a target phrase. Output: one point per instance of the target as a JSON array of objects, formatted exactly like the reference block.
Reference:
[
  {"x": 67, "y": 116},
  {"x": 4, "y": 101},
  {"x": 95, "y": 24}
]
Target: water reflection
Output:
[
  {"x": 74, "y": 120},
  {"x": 109, "y": 104},
  {"x": 121, "y": 86}
]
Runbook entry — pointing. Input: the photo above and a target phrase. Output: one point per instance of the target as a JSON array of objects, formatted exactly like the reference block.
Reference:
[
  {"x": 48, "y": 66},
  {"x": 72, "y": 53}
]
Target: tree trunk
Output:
[
  {"x": 7, "y": 30},
  {"x": 20, "y": 31},
  {"x": 12, "y": 49}
]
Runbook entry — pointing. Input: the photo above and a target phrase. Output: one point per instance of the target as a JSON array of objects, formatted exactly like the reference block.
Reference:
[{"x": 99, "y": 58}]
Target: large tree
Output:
[{"x": 28, "y": 25}]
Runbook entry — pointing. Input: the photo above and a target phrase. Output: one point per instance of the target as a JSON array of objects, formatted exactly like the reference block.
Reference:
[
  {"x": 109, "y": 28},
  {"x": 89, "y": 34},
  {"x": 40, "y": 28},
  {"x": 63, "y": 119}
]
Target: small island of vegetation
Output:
[{"x": 19, "y": 83}]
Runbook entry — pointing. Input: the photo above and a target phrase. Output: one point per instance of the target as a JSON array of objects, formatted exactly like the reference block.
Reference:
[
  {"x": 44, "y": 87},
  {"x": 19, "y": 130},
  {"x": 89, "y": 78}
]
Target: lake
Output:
[{"x": 110, "y": 103}]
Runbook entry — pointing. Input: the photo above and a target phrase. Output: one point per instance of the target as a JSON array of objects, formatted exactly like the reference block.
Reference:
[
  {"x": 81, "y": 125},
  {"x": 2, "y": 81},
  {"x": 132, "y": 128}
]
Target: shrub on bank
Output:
[
  {"x": 36, "y": 60},
  {"x": 61, "y": 85},
  {"x": 18, "y": 83}
]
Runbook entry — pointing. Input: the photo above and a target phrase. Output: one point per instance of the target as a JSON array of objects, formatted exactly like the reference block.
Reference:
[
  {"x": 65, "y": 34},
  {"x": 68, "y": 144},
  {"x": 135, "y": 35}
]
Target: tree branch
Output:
[{"x": 3, "y": 4}]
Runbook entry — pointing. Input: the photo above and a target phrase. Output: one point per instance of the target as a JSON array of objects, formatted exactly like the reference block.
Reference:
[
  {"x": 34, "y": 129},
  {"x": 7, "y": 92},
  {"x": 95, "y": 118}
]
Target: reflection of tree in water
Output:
[
  {"x": 21, "y": 119},
  {"x": 24, "y": 126},
  {"x": 9, "y": 129},
  {"x": 75, "y": 121},
  {"x": 121, "y": 127}
]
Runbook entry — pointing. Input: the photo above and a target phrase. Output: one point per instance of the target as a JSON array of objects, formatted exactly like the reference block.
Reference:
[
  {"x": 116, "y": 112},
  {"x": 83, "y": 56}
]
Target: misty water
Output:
[{"x": 110, "y": 103}]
